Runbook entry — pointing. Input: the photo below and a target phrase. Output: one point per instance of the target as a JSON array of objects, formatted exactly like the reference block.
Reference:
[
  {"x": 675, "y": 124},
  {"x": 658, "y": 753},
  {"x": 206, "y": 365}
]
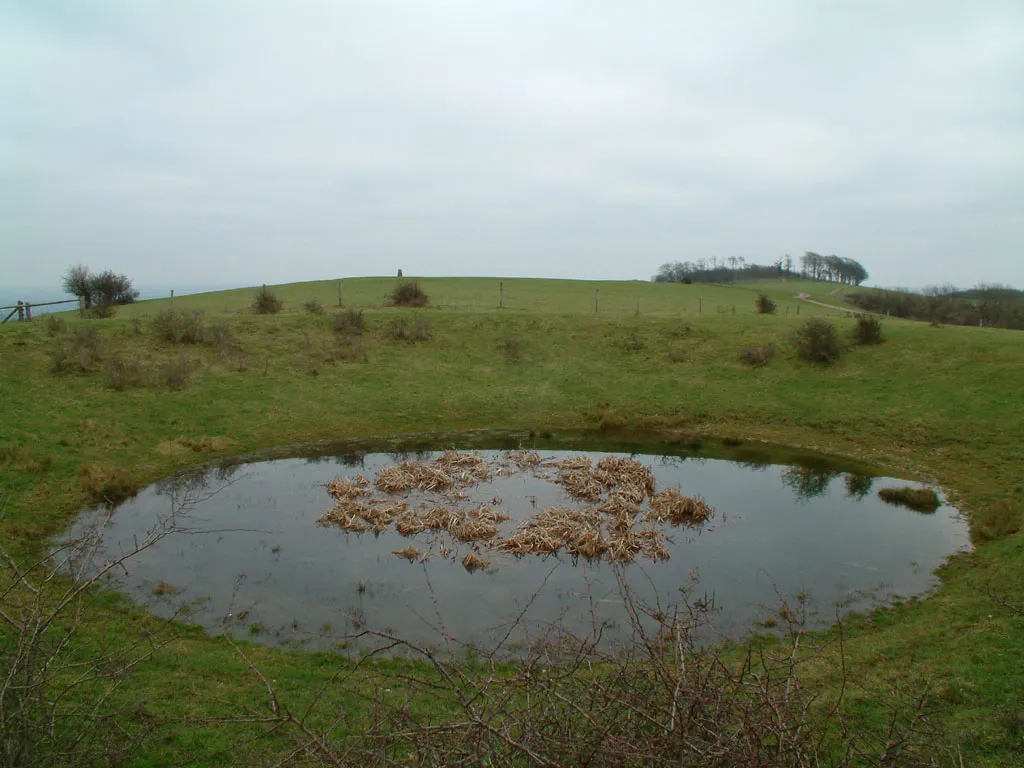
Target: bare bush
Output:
[
  {"x": 408, "y": 294},
  {"x": 179, "y": 327},
  {"x": 266, "y": 303},
  {"x": 668, "y": 698},
  {"x": 176, "y": 372},
  {"x": 764, "y": 305},
  {"x": 816, "y": 341},
  {"x": 757, "y": 356},
  {"x": 868, "y": 330},
  {"x": 418, "y": 329},
  {"x": 349, "y": 323},
  {"x": 122, "y": 373},
  {"x": 55, "y": 325},
  {"x": 314, "y": 307},
  {"x": 78, "y": 352}
]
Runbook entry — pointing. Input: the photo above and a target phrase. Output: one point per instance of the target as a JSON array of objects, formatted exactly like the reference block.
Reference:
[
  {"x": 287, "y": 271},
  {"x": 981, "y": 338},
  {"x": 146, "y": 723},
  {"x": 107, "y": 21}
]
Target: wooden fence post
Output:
[
  {"x": 28, "y": 310},
  {"x": 172, "y": 297},
  {"x": 501, "y": 295},
  {"x": 700, "y": 304},
  {"x": 597, "y": 299},
  {"x": 21, "y": 310},
  {"x": 339, "y": 293}
]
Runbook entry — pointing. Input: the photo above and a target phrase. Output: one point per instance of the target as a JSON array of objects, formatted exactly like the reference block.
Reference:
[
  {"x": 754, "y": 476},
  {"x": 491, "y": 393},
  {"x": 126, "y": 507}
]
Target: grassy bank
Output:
[{"x": 938, "y": 403}]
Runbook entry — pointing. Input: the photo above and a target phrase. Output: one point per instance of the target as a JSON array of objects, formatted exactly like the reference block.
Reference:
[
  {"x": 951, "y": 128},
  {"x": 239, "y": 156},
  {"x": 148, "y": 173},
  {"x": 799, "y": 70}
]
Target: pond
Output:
[{"x": 243, "y": 547}]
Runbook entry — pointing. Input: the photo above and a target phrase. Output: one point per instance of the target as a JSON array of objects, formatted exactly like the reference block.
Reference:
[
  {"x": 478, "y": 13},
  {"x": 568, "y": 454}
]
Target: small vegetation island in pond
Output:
[{"x": 96, "y": 407}]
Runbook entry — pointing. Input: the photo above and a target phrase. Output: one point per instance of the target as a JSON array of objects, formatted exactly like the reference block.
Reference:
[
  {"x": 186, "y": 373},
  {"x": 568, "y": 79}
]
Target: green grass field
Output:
[{"x": 941, "y": 403}]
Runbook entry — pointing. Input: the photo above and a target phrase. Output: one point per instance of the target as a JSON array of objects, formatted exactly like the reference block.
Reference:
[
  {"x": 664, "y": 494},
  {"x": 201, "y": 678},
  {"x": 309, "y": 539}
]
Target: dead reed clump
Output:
[
  {"x": 356, "y": 516},
  {"x": 441, "y": 518},
  {"x": 574, "y": 462},
  {"x": 464, "y": 465},
  {"x": 428, "y": 478},
  {"x": 410, "y": 553},
  {"x": 473, "y": 562},
  {"x": 673, "y": 506},
  {"x": 617, "y": 471},
  {"x": 589, "y": 544},
  {"x": 488, "y": 514},
  {"x": 580, "y": 483},
  {"x": 345, "y": 517},
  {"x": 525, "y": 459},
  {"x": 409, "y": 524},
  {"x": 346, "y": 490},
  {"x": 467, "y": 529},
  {"x": 394, "y": 479}
]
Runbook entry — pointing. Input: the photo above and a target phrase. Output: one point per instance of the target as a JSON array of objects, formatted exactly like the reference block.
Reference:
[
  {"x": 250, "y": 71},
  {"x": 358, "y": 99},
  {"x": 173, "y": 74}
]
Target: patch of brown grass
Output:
[{"x": 106, "y": 485}]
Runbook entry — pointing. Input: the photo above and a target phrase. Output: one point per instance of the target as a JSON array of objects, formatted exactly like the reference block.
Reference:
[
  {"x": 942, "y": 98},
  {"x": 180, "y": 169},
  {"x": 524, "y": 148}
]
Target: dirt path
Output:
[{"x": 807, "y": 297}]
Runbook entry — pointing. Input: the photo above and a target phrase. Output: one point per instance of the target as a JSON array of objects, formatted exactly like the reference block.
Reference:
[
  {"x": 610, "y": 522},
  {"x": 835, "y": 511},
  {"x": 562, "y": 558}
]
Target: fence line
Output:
[{"x": 23, "y": 309}]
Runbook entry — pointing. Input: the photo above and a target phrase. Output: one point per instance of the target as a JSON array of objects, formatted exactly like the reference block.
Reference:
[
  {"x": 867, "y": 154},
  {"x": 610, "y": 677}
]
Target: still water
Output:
[{"x": 246, "y": 555}]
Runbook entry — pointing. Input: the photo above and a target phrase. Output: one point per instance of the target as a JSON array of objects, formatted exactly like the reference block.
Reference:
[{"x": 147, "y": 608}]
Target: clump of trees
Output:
[
  {"x": 832, "y": 269},
  {"x": 102, "y": 290},
  {"x": 715, "y": 270}
]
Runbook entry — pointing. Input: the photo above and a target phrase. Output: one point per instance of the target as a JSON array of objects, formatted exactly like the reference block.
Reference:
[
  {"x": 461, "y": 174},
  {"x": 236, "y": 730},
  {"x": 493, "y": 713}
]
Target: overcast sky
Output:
[{"x": 236, "y": 143}]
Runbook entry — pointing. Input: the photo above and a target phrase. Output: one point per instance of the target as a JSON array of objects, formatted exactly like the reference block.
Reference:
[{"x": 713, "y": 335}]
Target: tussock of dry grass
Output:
[{"x": 673, "y": 506}]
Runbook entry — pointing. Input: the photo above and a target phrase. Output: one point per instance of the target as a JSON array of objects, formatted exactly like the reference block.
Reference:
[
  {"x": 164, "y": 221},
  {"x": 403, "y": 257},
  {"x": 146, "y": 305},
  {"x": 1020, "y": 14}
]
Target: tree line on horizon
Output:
[
  {"x": 813, "y": 266},
  {"x": 995, "y": 306}
]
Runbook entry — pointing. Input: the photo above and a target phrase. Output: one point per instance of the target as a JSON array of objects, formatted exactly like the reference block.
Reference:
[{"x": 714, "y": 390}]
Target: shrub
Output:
[
  {"x": 55, "y": 325},
  {"x": 123, "y": 373},
  {"x": 100, "y": 312},
  {"x": 355, "y": 353},
  {"x": 417, "y": 330},
  {"x": 757, "y": 356},
  {"x": 220, "y": 338},
  {"x": 180, "y": 327},
  {"x": 350, "y": 322},
  {"x": 314, "y": 307},
  {"x": 106, "y": 485},
  {"x": 868, "y": 330},
  {"x": 176, "y": 373},
  {"x": 918, "y": 499},
  {"x": 816, "y": 342},
  {"x": 764, "y": 305},
  {"x": 409, "y": 294},
  {"x": 266, "y": 303},
  {"x": 77, "y": 352}
]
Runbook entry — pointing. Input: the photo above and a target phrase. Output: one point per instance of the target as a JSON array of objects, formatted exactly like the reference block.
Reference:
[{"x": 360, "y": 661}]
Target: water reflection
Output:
[{"x": 858, "y": 486}]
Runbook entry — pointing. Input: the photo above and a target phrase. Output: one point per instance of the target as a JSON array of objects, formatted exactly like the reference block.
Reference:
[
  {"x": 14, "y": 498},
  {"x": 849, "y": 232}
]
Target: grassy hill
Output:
[{"x": 940, "y": 403}]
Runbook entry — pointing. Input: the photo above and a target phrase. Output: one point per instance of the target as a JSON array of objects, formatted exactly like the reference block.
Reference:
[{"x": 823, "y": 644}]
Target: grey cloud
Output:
[{"x": 203, "y": 142}]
